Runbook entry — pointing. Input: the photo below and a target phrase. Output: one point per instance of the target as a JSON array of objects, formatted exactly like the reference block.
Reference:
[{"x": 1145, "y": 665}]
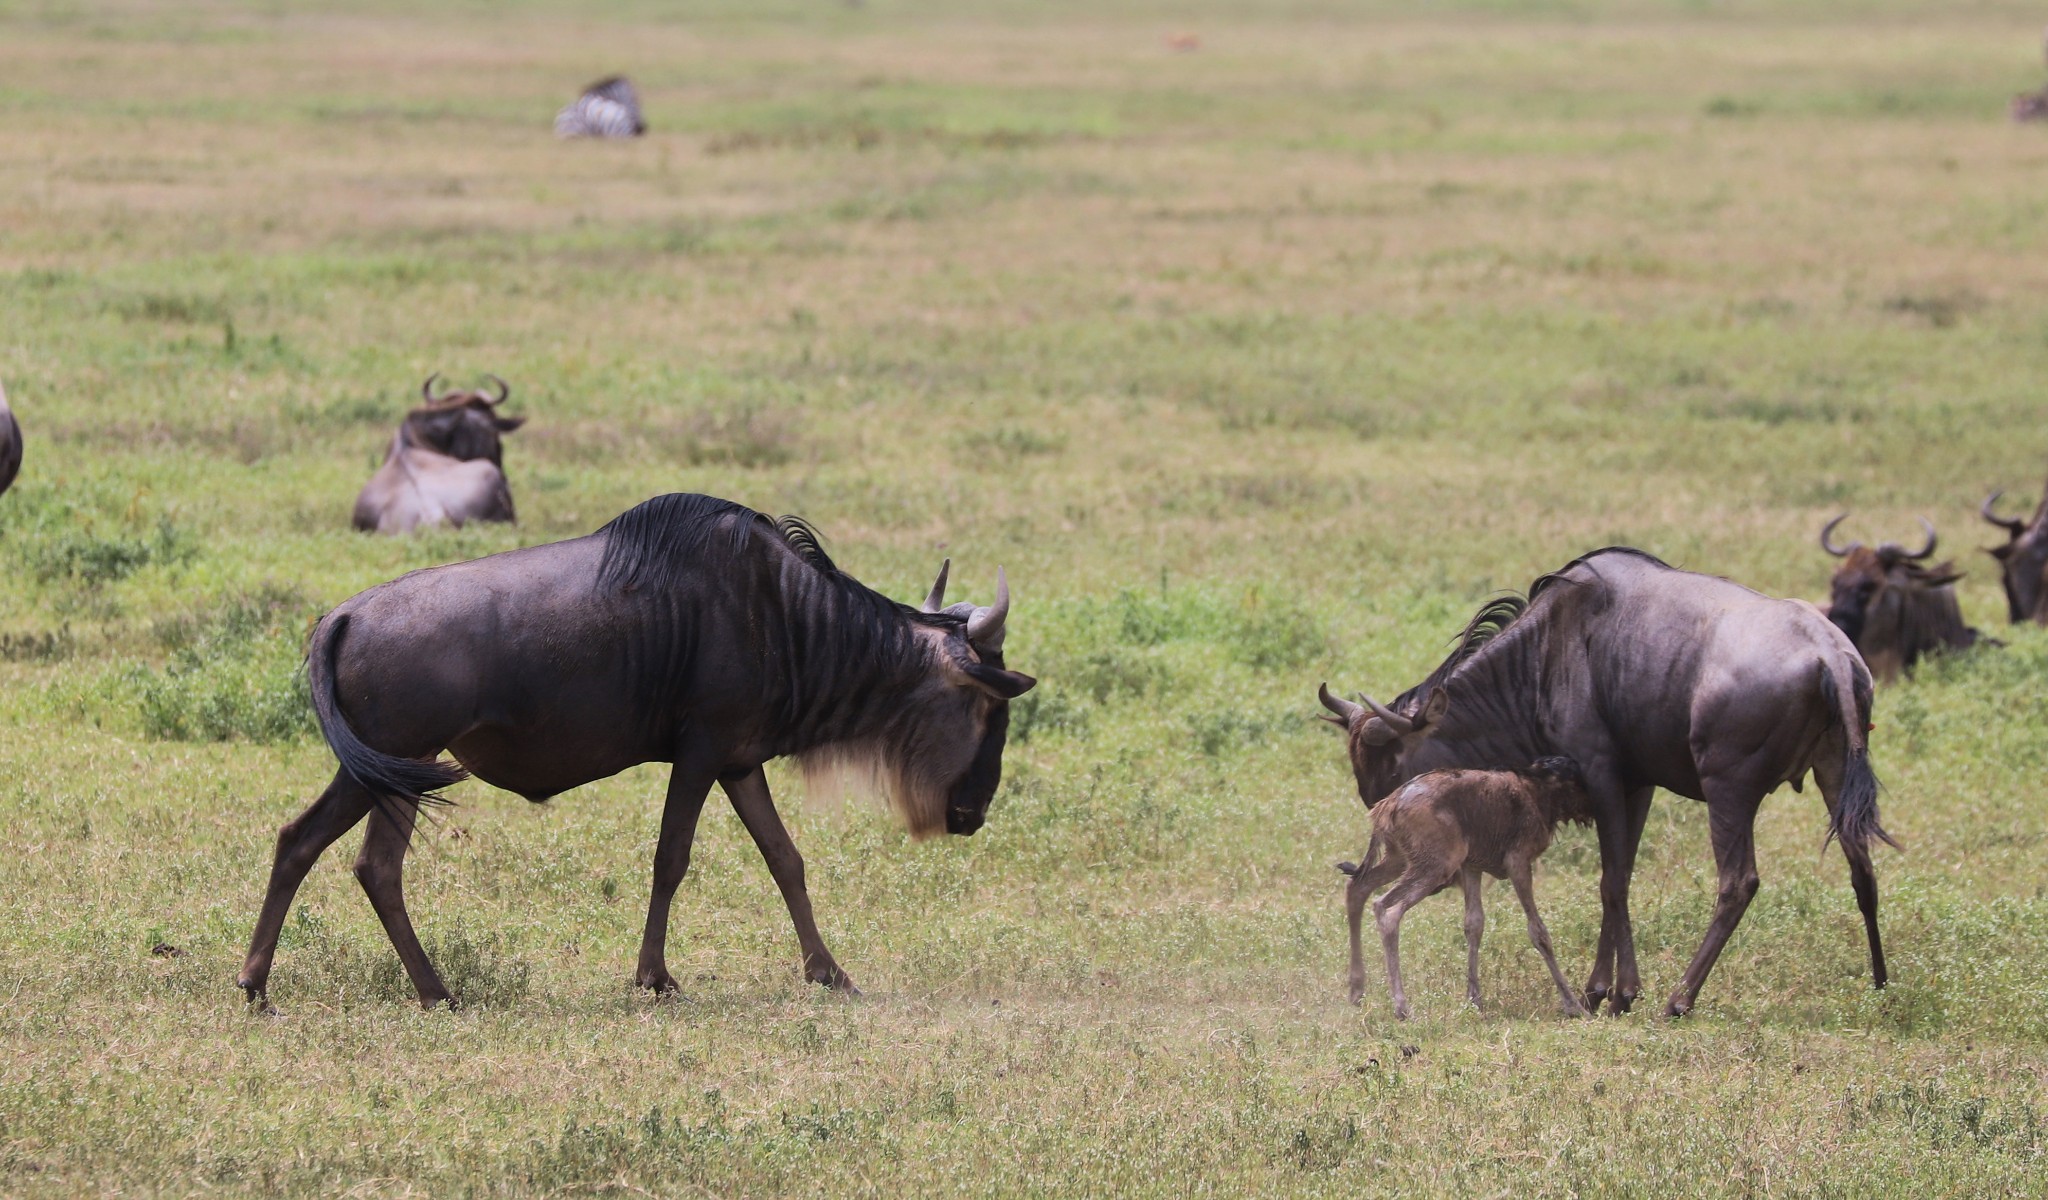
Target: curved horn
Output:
[
  {"x": 1345, "y": 709},
  {"x": 1828, "y": 529},
  {"x": 504, "y": 390},
  {"x": 986, "y": 625},
  {"x": 1928, "y": 549},
  {"x": 1395, "y": 721},
  {"x": 2011, "y": 526},
  {"x": 936, "y": 600},
  {"x": 427, "y": 388}
]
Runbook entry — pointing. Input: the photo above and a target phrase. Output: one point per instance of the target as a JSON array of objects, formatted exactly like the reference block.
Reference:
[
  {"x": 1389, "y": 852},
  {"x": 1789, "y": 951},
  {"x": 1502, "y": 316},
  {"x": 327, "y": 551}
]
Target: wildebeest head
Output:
[
  {"x": 970, "y": 705},
  {"x": 1874, "y": 581},
  {"x": 461, "y": 424},
  {"x": 1381, "y": 739},
  {"x": 2023, "y": 561},
  {"x": 940, "y": 757}
]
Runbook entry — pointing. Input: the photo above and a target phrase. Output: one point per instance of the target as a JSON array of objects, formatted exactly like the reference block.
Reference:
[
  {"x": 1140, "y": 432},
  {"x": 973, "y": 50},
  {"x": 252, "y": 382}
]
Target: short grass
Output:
[{"x": 1256, "y": 365}]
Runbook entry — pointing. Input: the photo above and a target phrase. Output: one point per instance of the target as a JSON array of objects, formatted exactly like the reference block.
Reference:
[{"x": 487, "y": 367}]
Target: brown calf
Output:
[{"x": 1446, "y": 827}]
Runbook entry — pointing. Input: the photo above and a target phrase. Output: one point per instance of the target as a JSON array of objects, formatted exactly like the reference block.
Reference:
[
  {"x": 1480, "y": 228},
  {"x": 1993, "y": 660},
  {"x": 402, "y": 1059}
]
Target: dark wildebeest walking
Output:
[
  {"x": 445, "y": 464},
  {"x": 10, "y": 444},
  {"x": 1892, "y": 606},
  {"x": 2022, "y": 561},
  {"x": 690, "y": 631},
  {"x": 1445, "y": 827},
  {"x": 1648, "y": 677}
]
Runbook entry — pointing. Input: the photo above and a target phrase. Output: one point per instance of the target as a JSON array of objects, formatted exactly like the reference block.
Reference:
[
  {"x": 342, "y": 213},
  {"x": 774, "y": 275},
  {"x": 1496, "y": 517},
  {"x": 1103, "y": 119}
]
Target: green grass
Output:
[{"x": 1255, "y": 366}]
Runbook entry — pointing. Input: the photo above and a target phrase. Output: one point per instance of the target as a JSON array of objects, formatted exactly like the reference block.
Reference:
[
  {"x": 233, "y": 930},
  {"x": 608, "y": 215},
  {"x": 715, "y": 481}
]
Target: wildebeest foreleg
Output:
[
  {"x": 1618, "y": 823},
  {"x": 1731, "y": 819},
  {"x": 687, "y": 787},
  {"x": 1475, "y": 928},
  {"x": 1539, "y": 936},
  {"x": 380, "y": 868},
  {"x": 750, "y": 798},
  {"x": 299, "y": 845}
]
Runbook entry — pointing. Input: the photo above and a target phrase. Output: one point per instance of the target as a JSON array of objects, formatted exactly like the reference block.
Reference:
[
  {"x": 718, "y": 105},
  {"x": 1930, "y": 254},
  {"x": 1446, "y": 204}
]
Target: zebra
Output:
[{"x": 609, "y": 108}]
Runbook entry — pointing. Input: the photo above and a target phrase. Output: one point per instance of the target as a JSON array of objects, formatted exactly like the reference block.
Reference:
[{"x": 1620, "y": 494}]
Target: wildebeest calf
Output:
[{"x": 1451, "y": 826}]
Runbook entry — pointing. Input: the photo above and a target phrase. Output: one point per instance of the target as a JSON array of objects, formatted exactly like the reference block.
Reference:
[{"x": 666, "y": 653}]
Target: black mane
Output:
[
  {"x": 652, "y": 544},
  {"x": 1497, "y": 615}
]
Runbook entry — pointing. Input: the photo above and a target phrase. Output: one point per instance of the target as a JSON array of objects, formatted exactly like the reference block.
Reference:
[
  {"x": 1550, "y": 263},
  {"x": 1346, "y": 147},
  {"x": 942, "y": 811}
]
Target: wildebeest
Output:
[
  {"x": 1893, "y": 607},
  {"x": 445, "y": 464},
  {"x": 1648, "y": 677},
  {"x": 609, "y": 108},
  {"x": 2022, "y": 561},
  {"x": 1445, "y": 827},
  {"x": 689, "y": 630},
  {"x": 10, "y": 444}
]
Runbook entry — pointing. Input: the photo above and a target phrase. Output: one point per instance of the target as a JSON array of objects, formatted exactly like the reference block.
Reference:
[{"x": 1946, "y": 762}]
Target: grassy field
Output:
[{"x": 1255, "y": 365}]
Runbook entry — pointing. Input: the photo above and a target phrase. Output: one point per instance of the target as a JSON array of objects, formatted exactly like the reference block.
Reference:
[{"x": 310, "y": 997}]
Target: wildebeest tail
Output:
[
  {"x": 1855, "y": 817},
  {"x": 386, "y": 776},
  {"x": 1374, "y": 851}
]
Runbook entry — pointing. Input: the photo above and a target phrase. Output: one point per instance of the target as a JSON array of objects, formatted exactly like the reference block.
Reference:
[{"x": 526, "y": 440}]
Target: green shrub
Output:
[{"x": 233, "y": 673}]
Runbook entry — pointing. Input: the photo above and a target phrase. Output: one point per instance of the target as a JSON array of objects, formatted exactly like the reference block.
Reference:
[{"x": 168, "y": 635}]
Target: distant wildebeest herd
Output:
[{"x": 699, "y": 633}]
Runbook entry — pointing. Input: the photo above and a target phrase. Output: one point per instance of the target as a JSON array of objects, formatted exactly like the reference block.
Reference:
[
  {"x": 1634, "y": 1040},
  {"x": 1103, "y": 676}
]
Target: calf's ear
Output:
[{"x": 1003, "y": 685}]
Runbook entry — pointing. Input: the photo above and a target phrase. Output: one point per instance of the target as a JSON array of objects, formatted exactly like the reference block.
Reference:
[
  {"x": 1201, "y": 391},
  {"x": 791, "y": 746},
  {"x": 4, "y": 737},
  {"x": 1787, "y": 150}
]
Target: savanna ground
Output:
[{"x": 1256, "y": 365}]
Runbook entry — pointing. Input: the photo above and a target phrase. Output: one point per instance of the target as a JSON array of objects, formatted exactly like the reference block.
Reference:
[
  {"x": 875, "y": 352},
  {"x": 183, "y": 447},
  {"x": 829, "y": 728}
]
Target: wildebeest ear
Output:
[
  {"x": 508, "y": 424},
  {"x": 1942, "y": 579},
  {"x": 1003, "y": 685},
  {"x": 1433, "y": 709},
  {"x": 2000, "y": 551},
  {"x": 1376, "y": 732}
]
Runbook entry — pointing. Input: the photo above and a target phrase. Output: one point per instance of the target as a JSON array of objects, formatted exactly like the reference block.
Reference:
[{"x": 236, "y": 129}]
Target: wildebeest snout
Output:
[{"x": 964, "y": 821}]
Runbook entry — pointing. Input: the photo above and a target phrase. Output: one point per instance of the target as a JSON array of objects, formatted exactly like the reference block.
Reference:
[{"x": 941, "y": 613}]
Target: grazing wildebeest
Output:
[
  {"x": 609, "y": 108},
  {"x": 10, "y": 444},
  {"x": 445, "y": 464},
  {"x": 2022, "y": 561},
  {"x": 1445, "y": 827},
  {"x": 1648, "y": 677},
  {"x": 689, "y": 630},
  {"x": 1893, "y": 607}
]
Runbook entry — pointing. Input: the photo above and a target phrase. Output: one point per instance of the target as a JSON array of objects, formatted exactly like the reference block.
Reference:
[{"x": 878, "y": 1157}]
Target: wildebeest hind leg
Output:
[
  {"x": 750, "y": 798},
  {"x": 299, "y": 845},
  {"x": 380, "y": 868},
  {"x": 687, "y": 787},
  {"x": 1861, "y": 877},
  {"x": 1731, "y": 819}
]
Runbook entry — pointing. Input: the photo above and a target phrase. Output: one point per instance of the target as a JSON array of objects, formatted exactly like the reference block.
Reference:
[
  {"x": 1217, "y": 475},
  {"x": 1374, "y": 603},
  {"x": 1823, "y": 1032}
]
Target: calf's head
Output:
[
  {"x": 1380, "y": 739},
  {"x": 2023, "y": 561},
  {"x": 1871, "y": 584},
  {"x": 461, "y": 424}
]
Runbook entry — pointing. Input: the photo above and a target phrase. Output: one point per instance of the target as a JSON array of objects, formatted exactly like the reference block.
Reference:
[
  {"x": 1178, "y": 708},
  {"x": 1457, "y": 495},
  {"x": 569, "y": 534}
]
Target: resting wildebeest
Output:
[
  {"x": 1894, "y": 608},
  {"x": 2022, "y": 561},
  {"x": 1445, "y": 827},
  {"x": 1648, "y": 677},
  {"x": 690, "y": 631},
  {"x": 446, "y": 463},
  {"x": 10, "y": 444}
]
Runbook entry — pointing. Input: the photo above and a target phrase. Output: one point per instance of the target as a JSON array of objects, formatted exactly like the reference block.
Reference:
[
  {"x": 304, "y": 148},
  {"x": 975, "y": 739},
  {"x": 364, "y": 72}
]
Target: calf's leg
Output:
[
  {"x": 1364, "y": 882},
  {"x": 1525, "y": 891},
  {"x": 750, "y": 798},
  {"x": 299, "y": 845},
  {"x": 380, "y": 868},
  {"x": 1475, "y": 928},
  {"x": 1388, "y": 912}
]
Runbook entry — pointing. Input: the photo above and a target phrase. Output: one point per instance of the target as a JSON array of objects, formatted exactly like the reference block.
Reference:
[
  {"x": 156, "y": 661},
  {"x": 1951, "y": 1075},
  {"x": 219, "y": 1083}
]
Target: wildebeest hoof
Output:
[
  {"x": 835, "y": 979},
  {"x": 447, "y": 1002},
  {"x": 1676, "y": 1008},
  {"x": 1619, "y": 1003},
  {"x": 661, "y": 983}
]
